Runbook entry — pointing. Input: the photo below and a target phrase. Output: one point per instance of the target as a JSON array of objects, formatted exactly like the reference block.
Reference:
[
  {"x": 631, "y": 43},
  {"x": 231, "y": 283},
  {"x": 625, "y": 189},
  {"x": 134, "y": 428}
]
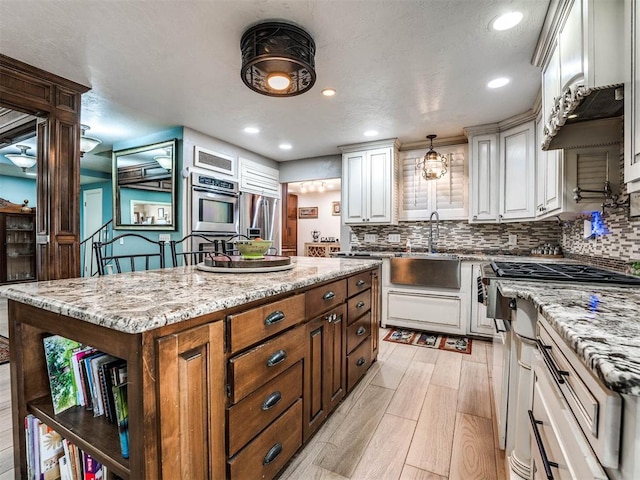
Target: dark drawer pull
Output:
[
  {"x": 551, "y": 365},
  {"x": 360, "y": 361},
  {"x": 271, "y": 401},
  {"x": 543, "y": 453},
  {"x": 272, "y": 454},
  {"x": 359, "y": 304},
  {"x": 329, "y": 295},
  {"x": 361, "y": 331},
  {"x": 360, "y": 283},
  {"x": 274, "y": 317},
  {"x": 276, "y": 358}
]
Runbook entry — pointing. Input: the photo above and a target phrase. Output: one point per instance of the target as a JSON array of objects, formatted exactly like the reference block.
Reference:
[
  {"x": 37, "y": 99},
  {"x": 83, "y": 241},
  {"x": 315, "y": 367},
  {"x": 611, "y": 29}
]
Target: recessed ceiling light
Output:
[
  {"x": 252, "y": 130},
  {"x": 285, "y": 146},
  {"x": 498, "y": 82},
  {"x": 370, "y": 133},
  {"x": 506, "y": 21},
  {"x": 329, "y": 92}
]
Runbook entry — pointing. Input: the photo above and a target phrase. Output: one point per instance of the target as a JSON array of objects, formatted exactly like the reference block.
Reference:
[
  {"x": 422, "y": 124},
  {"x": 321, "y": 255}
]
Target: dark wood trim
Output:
[{"x": 57, "y": 101}]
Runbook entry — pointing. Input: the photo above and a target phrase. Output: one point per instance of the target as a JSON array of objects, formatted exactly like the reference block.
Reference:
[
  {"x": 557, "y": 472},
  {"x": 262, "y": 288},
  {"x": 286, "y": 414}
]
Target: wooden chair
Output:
[
  {"x": 183, "y": 254},
  {"x": 103, "y": 260}
]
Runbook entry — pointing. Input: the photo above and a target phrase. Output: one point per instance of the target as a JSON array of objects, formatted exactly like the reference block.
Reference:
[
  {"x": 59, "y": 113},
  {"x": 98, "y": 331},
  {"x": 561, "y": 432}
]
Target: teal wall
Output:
[{"x": 16, "y": 190}]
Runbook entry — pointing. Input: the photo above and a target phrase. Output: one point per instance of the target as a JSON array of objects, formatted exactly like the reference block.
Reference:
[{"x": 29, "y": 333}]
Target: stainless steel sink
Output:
[{"x": 426, "y": 270}]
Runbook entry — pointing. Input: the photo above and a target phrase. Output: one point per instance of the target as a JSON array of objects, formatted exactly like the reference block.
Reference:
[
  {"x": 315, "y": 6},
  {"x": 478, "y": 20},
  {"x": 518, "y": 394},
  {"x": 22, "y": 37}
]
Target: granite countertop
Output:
[
  {"x": 141, "y": 301},
  {"x": 600, "y": 324}
]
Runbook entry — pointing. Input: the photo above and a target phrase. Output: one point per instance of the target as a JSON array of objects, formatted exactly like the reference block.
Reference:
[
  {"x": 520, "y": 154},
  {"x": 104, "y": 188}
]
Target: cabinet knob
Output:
[
  {"x": 274, "y": 317},
  {"x": 359, "y": 304},
  {"x": 361, "y": 331},
  {"x": 360, "y": 361},
  {"x": 276, "y": 358},
  {"x": 329, "y": 295},
  {"x": 360, "y": 283},
  {"x": 271, "y": 401},
  {"x": 272, "y": 454},
  {"x": 475, "y": 217}
]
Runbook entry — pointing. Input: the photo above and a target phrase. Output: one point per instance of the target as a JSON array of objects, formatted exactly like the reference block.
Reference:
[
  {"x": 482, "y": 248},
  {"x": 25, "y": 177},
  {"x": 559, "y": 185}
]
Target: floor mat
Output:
[
  {"x": 430, "y": 340},
  {"x": 4, "y": 350}
]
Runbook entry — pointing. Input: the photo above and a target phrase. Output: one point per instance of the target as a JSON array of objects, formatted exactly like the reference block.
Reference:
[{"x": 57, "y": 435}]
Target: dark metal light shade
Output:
[{"x": 278, "y": 48}]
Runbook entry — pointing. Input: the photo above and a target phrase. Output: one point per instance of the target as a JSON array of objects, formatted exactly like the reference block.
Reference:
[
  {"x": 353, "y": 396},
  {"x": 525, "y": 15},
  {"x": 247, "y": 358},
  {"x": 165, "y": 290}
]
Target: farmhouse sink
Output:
[{"x": 426, "y": 270}]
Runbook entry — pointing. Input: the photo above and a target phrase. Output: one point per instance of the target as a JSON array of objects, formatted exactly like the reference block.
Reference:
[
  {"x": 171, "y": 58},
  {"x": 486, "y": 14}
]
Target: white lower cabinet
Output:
[{"x": 479, "y": 324}]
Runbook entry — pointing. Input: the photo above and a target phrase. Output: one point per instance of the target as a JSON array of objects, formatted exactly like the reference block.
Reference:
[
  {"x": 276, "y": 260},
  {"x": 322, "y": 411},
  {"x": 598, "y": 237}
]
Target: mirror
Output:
[{"x": 144, "y": 187}]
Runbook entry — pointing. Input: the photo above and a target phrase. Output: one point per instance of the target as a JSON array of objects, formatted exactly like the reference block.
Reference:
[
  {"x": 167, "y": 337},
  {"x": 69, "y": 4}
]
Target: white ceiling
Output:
[{"x": 406, "y": 68}]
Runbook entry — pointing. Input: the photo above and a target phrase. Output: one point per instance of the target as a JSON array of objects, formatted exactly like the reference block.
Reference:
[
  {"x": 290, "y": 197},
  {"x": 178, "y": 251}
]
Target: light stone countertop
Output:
[
  {"x": 600, "y": 324},
  {"x": 141, "y": 301}
]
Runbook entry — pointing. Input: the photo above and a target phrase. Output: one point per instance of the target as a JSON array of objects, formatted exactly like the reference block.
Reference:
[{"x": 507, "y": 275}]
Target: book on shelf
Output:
[
  {"x": 50, "y": 452},
  {"x": 58, "y": 351},
  {"x": 122, "y": 416},
  {"x": 79, "y": 383},
  {"x": 92, "y": 468}
]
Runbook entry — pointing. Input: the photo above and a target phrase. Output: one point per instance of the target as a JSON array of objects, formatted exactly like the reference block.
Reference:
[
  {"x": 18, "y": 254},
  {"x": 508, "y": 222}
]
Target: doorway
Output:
[{"x": 92, "y": 203}]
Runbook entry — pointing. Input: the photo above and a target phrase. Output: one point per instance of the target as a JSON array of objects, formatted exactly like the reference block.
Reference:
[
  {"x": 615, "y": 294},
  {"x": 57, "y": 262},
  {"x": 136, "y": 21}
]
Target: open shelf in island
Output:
[{"x": 95, "y": 435}]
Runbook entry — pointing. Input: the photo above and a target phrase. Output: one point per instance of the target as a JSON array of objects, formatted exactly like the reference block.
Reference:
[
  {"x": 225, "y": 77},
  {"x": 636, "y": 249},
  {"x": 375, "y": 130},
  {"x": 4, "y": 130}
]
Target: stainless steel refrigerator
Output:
[{"x": 260, "y": 217}]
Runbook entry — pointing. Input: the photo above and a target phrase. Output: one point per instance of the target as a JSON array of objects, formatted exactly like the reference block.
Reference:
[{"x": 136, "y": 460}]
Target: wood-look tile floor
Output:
[{"x": 418, "y": 414}]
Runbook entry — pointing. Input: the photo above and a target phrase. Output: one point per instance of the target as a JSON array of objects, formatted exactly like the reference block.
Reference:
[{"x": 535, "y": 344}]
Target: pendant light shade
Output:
[
  {"x": 22, "y": 160},
  {"x": 87, "y": 143},
  {"x": 165, "y": 161},
  {"x": 278, "y": 59},
  {"x": 433, "y": 165}
]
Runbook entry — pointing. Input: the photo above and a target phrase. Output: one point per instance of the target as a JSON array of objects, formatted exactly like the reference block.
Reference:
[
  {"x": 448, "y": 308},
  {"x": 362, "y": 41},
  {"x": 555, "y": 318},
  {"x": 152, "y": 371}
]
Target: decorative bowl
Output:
[{"x": 253, "y": 249}]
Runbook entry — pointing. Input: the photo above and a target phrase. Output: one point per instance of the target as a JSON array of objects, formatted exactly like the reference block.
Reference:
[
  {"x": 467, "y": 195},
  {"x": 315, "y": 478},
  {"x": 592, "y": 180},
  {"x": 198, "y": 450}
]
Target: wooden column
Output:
[{"x": 56, "y": 101}]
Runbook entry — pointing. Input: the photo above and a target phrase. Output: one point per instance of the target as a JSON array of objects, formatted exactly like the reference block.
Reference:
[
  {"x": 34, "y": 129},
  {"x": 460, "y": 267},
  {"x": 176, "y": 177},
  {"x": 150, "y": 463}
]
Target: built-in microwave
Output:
[{"x": 214, "y": 205}]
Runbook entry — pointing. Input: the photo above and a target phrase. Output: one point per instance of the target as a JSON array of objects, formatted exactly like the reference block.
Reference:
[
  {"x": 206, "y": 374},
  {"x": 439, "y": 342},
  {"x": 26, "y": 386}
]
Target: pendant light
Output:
[
  {"x": 87, "y": 143},
  {"x": 165, "y": 161},
  {"x": 433, "y": 165},
  {"x": 22, "y": 160},
  {"x": 278, "y": 59}
]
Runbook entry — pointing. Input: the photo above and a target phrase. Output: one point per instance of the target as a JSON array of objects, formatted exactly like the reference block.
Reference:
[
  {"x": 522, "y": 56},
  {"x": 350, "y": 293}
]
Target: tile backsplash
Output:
[{"x": 460, "y": 236}]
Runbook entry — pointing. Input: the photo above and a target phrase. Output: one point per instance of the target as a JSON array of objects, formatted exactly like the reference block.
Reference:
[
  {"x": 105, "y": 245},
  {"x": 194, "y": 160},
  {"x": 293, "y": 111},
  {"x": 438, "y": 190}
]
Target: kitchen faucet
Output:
[{"x": 433, "y": 239}]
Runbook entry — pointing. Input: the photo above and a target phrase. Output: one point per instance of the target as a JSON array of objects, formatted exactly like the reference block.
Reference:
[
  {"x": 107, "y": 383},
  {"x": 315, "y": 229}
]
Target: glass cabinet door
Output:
[{"x": 20, "y": 247}]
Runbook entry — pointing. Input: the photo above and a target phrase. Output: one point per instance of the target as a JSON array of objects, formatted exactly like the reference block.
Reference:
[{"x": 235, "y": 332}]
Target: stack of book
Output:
[
  {"x": 51, "y": 457},
  {"x": 81, "y": 376}
]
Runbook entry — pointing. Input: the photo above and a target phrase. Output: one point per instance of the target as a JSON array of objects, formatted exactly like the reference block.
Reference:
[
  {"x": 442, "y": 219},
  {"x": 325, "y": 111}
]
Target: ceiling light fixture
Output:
[
  {"x": 278, "y": 59},
  {"x": 329, "y": 92},
  {"x": 433, "y": 165},
  {"x": 303, "y": 189},
  {"x": 285, "y": 146},
  {"x": 165, "y": 161},
  {"x": 498, "y": 82},
  {"x": 87, "y": 143},
  {"x": 506, "y": 21},
  {"x": 22, "y": 160},
  {"x": 322, "y": 187},
  {"x": 251, "y": 130},
  {"x": 370, "y": 133}
]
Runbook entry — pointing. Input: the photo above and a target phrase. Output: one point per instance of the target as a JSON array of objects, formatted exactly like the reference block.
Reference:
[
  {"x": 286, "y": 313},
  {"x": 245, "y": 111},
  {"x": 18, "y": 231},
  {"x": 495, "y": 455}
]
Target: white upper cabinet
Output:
[
  {"x": 369, "y": 183},
  {"x": 632, "y": 96},
  {"x": 258, "y": 178},
  {"x": 549, "y": 178},
  {"x": 484, "y": 177},
  {"x": 447, "y": 195},
  {"x": 517, "y": 172}
]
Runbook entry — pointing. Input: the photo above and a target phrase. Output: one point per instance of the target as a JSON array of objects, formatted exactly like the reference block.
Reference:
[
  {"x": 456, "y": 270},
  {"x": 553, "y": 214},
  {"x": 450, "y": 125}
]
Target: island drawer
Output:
[
  {"x": 358, "y": 305},
  {"x": 257, "y": 366},
  {"x": 272, "y": 449},
  {"x": 253, "y": 326},
  {"x": 358, "y": 363},
  {"x": 252, "y": 414},
  {"x": 358, "y": 283},
  {"x": 358, "y": 331},
  {"x": 321, "y": 299}
]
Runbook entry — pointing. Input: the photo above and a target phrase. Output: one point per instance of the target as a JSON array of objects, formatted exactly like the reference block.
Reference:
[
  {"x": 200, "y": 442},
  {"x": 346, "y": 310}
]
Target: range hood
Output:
[{"x": 596, "y": 118}]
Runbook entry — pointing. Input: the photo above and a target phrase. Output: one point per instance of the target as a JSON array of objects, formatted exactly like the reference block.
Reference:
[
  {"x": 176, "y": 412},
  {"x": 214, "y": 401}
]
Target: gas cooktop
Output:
[{"x": 561, "y": 272}]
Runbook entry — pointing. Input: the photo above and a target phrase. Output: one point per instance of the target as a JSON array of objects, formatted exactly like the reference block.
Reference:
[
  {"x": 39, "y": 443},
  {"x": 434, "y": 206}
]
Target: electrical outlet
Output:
[
  {"x": 164, "y": 237},
  {"x": 513, "y": 240},
  {"x": 122, "y": 241},
  {"x": 370, "y": 238},
  {"x": 354, "y": 238},
  {"x": 393, "y": 238}
]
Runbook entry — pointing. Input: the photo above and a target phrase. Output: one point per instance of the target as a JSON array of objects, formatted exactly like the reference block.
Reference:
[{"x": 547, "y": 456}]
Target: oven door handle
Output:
[{"x": 214, "y": 192}]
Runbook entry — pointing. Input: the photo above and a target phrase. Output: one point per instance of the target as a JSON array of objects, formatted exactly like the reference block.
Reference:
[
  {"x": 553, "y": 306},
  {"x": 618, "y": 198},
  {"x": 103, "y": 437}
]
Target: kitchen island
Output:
[
  {"x": 202, "y": 350},
  {"x": 586, "y": 377}
]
